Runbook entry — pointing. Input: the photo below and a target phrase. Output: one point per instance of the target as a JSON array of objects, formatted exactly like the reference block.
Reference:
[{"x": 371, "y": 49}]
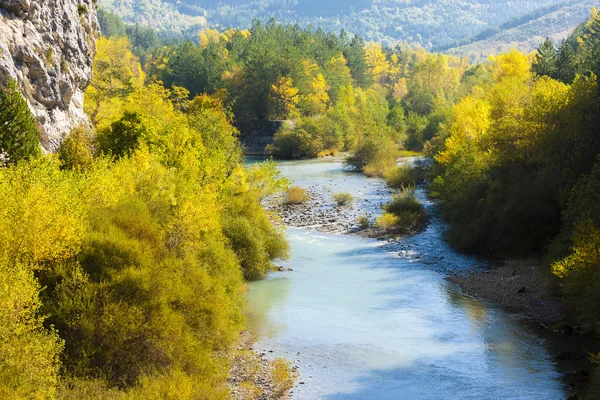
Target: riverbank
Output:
[
  {"x": 253, "y": 376},
  {"x": 520, "y": 286}
]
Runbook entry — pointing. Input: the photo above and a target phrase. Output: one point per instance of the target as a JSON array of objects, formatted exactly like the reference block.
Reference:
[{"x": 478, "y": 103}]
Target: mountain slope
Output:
[
  {"x": 557, "y": 25},
  {"x": 428, "y": 22}
]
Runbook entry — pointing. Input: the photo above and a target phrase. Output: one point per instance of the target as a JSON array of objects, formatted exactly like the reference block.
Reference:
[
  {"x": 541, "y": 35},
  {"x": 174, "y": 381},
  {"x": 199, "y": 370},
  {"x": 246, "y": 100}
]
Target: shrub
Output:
[
  {"x": 19, "y": 137},
  {"x": 294, "y": 144},
  {"x": 387, "y": 222},
  {"x": 296, "y": 195},
  {"x": 403, "y": 214},
  {"x": 343, "y": 199},
  {"x": 283, "y": 377},
  {"x": 404, "y": 201},
  {"x": 76, "y": 150},
  {"x": 404, "y": 176},
  {"x": 364, "y": 222},
  {"x": 123, "y": 136},
  {"x": 373, "y": 158}
]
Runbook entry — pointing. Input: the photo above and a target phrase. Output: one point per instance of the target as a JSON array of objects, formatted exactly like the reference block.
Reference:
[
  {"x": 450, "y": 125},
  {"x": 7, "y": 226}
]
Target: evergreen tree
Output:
[
  {"x": 110, "y": 24},
  {"x": 19, "y": 138},
  {"x": 565, "y": 63},
  {"x": 545, "y": 59},
  {"x": 355, "y": 57}
]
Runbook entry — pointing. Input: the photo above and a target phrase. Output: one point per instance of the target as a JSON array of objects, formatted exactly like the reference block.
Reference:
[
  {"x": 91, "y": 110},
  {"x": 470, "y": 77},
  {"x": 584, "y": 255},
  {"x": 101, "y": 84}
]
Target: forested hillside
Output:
[
  {"x": 525, "y": 33},
  {"x": 429, "y": 23}
]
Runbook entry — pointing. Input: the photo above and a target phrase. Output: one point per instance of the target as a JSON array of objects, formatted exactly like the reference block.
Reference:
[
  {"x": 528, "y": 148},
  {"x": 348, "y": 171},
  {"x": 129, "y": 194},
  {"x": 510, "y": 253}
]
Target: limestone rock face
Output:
[{"x": 48, "y": 47}]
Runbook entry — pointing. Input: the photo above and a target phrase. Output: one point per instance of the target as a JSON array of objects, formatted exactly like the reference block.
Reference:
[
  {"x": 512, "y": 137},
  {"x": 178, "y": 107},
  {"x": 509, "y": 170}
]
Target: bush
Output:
[
  {"x": 296, "y": 195},
  {"x": 76, "y": 152},
  {"x": 373, "y": 158},
  {"x": 404, "y": 176},
  {"x": 364, "y": 222},
  {"x": 403, "y": 214},
  {"x": 294, "y": 144},
  {"x": 343, "y": 199},
  {"x": 387, "y": 222},
  {"x": 283, "y": 377},
  {"x": 19, "y": 137}
]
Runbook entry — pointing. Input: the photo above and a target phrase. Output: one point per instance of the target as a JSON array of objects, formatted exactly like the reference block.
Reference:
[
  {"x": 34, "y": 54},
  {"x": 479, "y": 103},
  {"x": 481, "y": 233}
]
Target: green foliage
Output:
[
  {"x": 123, "y": 136},
  {"x": 374, "y": 158},
  {"x": 404, "y": 176},
  {"x": 545, "y": 59},
  {"x": 343, "y": 199},
  {"x": 576, "y": 249},
  {"x": 76, "y": 151},
  {"x": 292, "y": 143},
  {"x": 509, "y": 152},
  {"x": 404, "y": 214},
  {"x": 19, "y": 138},
  {"x": 428, "y": 24}
]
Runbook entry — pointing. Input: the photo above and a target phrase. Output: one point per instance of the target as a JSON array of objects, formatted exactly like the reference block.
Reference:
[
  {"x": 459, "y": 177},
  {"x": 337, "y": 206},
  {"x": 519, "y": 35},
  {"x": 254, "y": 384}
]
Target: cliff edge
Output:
[{"x": 48, "y": 47}]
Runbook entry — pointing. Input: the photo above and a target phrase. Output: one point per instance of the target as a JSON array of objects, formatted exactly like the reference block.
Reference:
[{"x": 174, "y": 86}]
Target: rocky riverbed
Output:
[
  {"x": 321, "y": 213},
  {"x": 522, "y": 286}
]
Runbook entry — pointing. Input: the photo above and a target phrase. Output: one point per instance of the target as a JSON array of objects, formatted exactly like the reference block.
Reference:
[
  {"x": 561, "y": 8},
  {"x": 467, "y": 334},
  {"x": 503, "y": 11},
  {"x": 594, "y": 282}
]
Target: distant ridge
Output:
[
  {"x": 525, "y": 34},
  {"x": 428, "y": 23}
]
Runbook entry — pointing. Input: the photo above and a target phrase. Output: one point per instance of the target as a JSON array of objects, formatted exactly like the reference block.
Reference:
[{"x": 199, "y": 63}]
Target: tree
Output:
[
  {"x": 379, "y": 67},
  {"x": 545, "y": 59},
  {"x": 317, "y": 99},
  {"x": 19, "y": 137},
  {"x": 356, "y": 59},
  {"x": 117, "y": 73},
  {"x": 76, "y": 151},
  {"x": 565, "y": 63},
  {"x": 283, "y": 99},
  {"x": 123, "y": 136}
]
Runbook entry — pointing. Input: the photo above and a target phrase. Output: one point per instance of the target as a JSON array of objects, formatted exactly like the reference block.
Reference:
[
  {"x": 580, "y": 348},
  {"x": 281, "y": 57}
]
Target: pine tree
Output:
[
  {"x": 545, "y": 59},
  {"x": 565, "y": 63},
  {"x": 19, "y": 137}
]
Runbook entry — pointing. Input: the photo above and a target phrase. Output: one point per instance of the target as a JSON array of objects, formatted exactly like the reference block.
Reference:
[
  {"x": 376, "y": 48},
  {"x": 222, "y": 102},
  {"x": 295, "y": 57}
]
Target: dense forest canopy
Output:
[{"x": 428, "y": 23}]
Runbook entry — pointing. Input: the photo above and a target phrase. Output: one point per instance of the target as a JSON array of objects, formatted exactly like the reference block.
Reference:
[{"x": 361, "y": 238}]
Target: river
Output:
[{"x": 365, "y": 319}]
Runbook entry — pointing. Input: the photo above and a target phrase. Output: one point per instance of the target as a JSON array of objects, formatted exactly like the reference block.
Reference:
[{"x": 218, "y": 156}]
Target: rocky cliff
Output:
[{"x": 48, "y": 46}]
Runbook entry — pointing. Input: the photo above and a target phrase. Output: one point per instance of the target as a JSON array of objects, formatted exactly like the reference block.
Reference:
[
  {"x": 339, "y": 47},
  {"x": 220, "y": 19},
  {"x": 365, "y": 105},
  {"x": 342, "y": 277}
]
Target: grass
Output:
[
  {"x": 296, "y": 195},
  {"x": 343, "y": 199}
]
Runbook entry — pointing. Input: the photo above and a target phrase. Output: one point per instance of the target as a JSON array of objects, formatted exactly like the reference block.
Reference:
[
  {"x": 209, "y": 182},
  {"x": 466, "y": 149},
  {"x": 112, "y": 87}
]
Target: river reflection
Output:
[{"x": 363, "y": 323}]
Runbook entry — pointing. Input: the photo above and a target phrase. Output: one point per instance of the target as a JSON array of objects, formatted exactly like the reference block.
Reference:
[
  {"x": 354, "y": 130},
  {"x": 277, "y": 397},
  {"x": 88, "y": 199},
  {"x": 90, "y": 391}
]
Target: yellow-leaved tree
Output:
[
  {"x": 283, "y": 99},
  {"x": 379, "y": 67},
  {"x": 117, "y": 74}
]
